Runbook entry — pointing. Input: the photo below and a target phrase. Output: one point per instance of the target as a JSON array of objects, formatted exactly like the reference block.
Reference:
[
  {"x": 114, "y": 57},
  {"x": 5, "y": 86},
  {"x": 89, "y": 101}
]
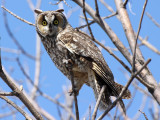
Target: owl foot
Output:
[
  {"x": 71, "y": 92},
  {"x": 68, "y": 63}
]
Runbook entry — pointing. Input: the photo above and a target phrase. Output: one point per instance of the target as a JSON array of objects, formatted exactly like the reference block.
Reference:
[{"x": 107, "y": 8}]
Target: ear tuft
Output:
[
  {"x": 38, "y": 11},
  {"x": 59, "y": 10}
]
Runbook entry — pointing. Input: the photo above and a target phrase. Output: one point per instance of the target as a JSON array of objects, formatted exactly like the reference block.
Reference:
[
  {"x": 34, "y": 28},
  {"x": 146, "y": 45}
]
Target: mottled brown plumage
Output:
[{"x": 64, "y": 44}]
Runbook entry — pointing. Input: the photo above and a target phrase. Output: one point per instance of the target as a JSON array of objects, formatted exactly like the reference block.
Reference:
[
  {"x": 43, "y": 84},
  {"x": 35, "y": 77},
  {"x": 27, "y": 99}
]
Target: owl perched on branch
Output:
[{"x": 65, "y": 44}]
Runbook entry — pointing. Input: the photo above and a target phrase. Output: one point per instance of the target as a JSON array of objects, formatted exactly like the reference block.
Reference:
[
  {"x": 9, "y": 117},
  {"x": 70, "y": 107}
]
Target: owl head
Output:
[{"x": 50, "y": 23}]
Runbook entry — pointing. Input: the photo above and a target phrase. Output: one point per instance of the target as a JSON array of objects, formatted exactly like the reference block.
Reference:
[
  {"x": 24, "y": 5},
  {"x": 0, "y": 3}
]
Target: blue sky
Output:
[{"x": 51, "y": 79}]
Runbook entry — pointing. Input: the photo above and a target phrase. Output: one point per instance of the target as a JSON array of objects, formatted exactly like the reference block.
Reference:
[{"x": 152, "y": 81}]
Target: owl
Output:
[{"x": 66, "y": 45}]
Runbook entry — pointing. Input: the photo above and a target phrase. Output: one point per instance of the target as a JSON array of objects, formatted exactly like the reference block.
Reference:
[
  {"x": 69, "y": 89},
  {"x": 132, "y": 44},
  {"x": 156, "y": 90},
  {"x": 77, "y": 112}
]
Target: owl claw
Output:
[
  {"x": 71, "y": 92},
  {"x": 67, "y": 61}
]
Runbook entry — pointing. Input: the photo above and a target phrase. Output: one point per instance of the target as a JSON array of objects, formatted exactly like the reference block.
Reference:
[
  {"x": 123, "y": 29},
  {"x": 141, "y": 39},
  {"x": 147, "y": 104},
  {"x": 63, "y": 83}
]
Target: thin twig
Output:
[
  {"x": 123, "y": 90},
  {"x": 115, "y": 115},
  {"x": 75, "y": 97},
  {"x": 11, "y": 50},
  {"x": 153, "y": 20},
  {"x": 89, "y": 28},
  {"x": 149, "y": 45},
  {"x": 31, "y": 5},
  {"x": 18, "y": 16},
  {"x": 141, "y": 90},
  {"x": 61, "y": 105},
  {"x": 59, "y": 112},
  {"x": 144, "y": 114},
  {"x": 16, "y": 107},
  {"x": 97, "y": 9},
  {"x": 38, "y": 4},
  {"x": 85, "y": 25},
  {"x": 129, "y": 104},
  {"x": 59, "y": 2},
  {"x": 98, "y": 102},
  {"x": 13, "y": 37},
  {"x": 38, "y": 54},
  {"x": 7, "y": 93},
  {"x": 92, "y": 22},
  {"x": 109, "y": 16},
  {"x": 125, "y": 3},
  {"x": 139, "y": 28},
  {"x": 37, "y": 68},
  {"x": 141, "y": 107}
]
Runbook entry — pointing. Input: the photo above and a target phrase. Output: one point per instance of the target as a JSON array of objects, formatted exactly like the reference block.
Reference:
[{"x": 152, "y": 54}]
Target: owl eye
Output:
[
  {"x": 44, "y": 23},
  {"x": 55, "y": 22}
]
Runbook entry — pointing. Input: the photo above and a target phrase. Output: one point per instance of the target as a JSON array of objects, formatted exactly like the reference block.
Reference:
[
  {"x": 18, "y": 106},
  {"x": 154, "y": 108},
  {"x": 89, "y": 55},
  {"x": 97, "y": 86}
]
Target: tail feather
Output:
[
  {"x": 126, "y": 95},
  {"x": 106, "y": 101},
  {"x": 122, "y": 106},
  {"x": 97, "y": 83}
]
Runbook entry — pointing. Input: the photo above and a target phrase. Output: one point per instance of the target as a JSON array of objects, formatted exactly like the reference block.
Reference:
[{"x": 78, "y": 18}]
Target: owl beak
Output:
[{"x": 50, "y": 28}]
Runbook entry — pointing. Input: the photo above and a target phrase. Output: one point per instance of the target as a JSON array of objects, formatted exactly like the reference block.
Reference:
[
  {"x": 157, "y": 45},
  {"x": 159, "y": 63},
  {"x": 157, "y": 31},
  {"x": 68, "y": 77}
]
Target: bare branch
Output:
[
  {"x": 135, "y": 46},
  {"x": 59, "y": 2},
  {"x": 12, "y": 36},
  {"x": 38, "y": 4},
  {"x": 20, "y": 94},
  {"x": 18, "y": 16},
  {"x": 141, "y": 107},
  {"x": 90, "y": 31},
  {"x": 37, "y": 67},
  {"x": 128, "y": 29},
  {"x": 31, "y": 5},
  {"x": 153, "y": 20},
  {"x": 7, "y": 93},
  {"x": 83, "y": 26},
  {"x": 39, "y": 109},
  {"x": 16, "y": 107},
  {"x": 38, "y": 55},
  {"x": 98, "y": 102},
  {"x": 144, "y": 114},
  {"x": 149, "y": 45},
  {"x": 141, "y": 90},
  {"x": 125, "y": 3},
  {"x": 74, "y": 92},
  {"x": 97, "y": 9},
  {"x": 94, "y": 21}
]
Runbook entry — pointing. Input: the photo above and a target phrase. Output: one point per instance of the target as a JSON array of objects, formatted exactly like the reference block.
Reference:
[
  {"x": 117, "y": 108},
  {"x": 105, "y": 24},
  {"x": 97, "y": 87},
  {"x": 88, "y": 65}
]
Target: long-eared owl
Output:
[{"x": 65, "y": 44}]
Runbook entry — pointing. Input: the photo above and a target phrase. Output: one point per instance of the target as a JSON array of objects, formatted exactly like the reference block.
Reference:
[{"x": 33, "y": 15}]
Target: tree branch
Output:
[
  {"x": 98, "y": 102},
  {"x": 16, "y": 107},
  {"x": 19, "y": 94}
]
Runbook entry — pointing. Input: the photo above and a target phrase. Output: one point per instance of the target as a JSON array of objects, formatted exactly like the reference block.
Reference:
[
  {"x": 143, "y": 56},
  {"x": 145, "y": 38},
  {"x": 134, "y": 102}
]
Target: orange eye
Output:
[
  {"x": 55, "y": 22},
  {"x": 44, "y": 23}
]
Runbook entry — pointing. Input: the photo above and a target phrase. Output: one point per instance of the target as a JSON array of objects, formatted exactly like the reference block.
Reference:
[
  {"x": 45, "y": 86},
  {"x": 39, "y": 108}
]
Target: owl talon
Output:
[
  {"x": 71, "y": 92},
  {"x": 68, "y": 63}
]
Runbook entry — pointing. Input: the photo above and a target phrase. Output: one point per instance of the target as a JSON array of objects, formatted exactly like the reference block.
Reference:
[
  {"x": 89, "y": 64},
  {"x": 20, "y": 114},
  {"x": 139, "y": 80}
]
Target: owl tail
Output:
[
  {"x": 126, "y": 95},
  {"x": 106, "y": 101}
]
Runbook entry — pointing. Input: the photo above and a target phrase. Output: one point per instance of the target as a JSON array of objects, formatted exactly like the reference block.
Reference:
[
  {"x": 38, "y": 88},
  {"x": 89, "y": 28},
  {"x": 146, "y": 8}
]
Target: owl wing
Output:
[{"x": 81, "y": 44}]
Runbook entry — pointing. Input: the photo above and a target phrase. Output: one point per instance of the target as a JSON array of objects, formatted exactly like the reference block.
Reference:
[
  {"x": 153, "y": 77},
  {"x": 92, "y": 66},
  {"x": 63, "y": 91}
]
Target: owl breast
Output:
[{"x": 59, "y": 55}]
